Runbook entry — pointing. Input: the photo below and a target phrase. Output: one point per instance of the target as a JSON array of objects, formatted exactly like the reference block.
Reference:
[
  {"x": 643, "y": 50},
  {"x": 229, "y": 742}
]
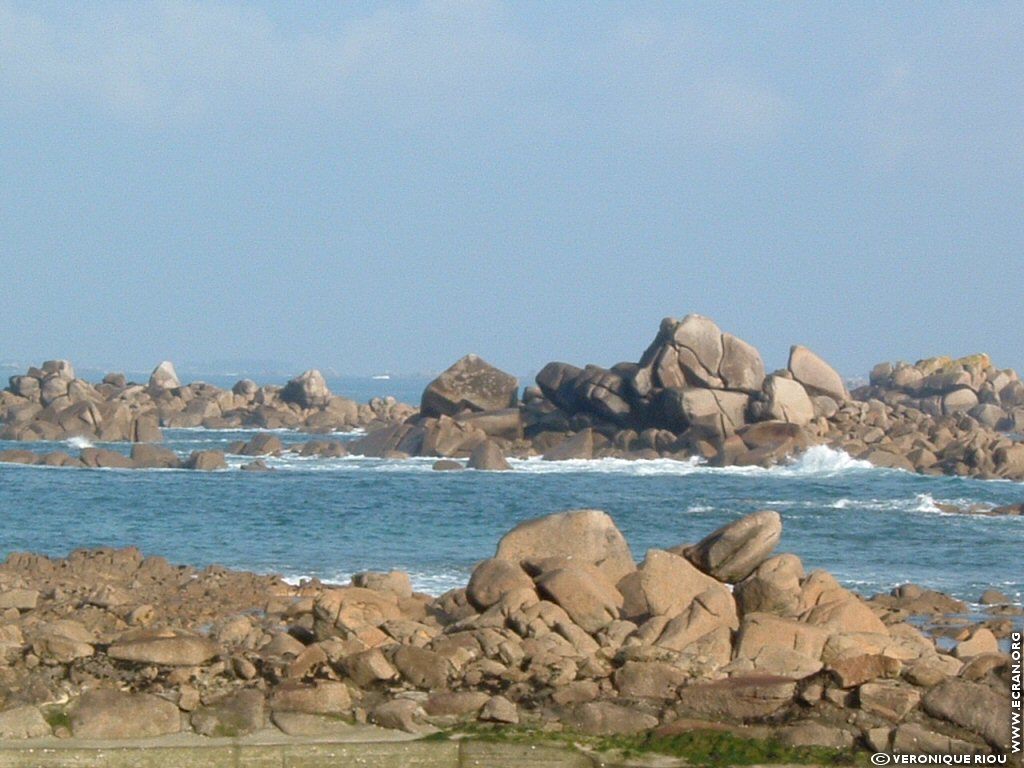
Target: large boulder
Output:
[
  {"x": 711, "y": 412},
  {"x": 112, "y": 714},
  {"x": 164, "y": 377},
  {"x": 694, "y": 352},
  {"x": 664, "y": 585},
  {"x": 488, "y": 456},
  {"x": 585, "y": 593},
  {"x": 558, "y": 383},
  {"x": 700, "y": 350},
  {"x": 174, "y": 650},
  {"x": 973, "y": 706},
  {"x": 773, "y": 587},
  {"x": 307, "y": 390},
  {"x": 62, "y": 368},
  {"x": 737, "y": 698},
  {"x": 583, "y": 535},
  {"x": 604, "y": 393},
  {"x": 493, "y": 579},
  {"x": 471, "y": 384},
  {"x": 817, "y": 376},
  {"x": 788, "y": 401},
  {"x": 776, "y": 645},
  {"x": 731, "y": 553}
]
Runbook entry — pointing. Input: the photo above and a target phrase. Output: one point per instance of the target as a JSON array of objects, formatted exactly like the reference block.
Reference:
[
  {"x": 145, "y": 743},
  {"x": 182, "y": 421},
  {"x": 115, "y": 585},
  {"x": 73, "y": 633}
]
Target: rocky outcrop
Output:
[
  {"x": 560, "y": 630},
  {"x": 942, "y": 386},
  {"x": 471, "y": 384},
  {"x": 49, "y": 403},
  {"x": 696, "y": 392},
  {"x": 307, "y": 390}
]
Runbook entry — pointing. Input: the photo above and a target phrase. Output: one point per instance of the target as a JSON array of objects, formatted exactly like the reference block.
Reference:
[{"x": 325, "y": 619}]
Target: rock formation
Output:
[
  {"x": 49, "y": 403},
  {"x": 696, "y": 391}
]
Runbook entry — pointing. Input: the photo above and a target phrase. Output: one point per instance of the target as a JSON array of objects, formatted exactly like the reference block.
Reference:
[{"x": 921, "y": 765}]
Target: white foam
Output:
[
  {"x": 432, "y": 583},
  {"x": 925, "y": 503},
  {"x": 820, "y": 459},
  {"x": 698, "y": 508},
  {"x": 79, "y": 442}
]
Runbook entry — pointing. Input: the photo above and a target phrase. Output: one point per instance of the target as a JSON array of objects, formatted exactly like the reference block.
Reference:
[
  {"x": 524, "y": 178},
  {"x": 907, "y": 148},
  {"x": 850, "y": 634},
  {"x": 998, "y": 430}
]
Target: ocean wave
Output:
[
  {"x": 80, "y": 442},
  {"x": 820, "y": 459}
]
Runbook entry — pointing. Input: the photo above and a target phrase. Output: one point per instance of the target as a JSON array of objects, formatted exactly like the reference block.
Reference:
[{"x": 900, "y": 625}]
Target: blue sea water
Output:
[{"x": 328, "y": 518}]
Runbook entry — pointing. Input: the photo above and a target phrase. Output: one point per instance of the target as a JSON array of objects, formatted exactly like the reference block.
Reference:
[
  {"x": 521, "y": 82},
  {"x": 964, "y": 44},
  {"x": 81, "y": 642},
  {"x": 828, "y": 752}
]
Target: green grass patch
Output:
[
  {"x": 712, "y": 749},
  {"x": 707, "y": 749},
  {"x": 56, "y": 717}
]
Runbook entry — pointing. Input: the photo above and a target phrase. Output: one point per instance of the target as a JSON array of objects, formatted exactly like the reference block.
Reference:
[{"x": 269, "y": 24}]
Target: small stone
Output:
[{"x": 498, "y": 709}]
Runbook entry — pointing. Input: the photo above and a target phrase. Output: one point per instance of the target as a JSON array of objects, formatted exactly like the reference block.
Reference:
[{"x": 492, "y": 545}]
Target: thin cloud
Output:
[
  {"x": 445, "y": 62},
  {"x": 191, "y": 62}
]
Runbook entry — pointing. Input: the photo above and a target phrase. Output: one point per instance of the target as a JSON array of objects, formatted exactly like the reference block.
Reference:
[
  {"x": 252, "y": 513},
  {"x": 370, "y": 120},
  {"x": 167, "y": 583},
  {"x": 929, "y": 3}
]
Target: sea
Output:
[{"x": 873, "y": 529}]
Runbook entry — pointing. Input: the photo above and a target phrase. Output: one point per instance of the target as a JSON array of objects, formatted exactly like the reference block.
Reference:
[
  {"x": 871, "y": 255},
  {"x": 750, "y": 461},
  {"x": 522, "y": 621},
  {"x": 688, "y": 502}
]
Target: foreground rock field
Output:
[{"x": 561, "y": 630}]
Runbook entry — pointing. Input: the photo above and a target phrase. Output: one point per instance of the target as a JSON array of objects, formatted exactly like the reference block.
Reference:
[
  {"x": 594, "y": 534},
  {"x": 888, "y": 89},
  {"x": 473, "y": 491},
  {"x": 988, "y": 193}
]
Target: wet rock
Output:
[
  {"x": 263, "y": 445},
  {"x": 148, "y": 456},
  {"x": 576, "y": 447},
  {"x": 206, "y": 461},
  {"x": 447, "y": 465},
  {"x": 488, "y": 456}
]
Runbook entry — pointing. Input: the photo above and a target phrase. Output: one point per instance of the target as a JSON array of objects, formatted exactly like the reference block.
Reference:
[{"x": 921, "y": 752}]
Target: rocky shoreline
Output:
[
  {"x": 696, "y": 392},
  {"x": 561, "y": 630}
]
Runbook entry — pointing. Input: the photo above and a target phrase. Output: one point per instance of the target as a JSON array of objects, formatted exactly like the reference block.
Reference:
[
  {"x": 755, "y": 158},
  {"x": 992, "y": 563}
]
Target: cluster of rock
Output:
[
  {"x": 561, "y": 629},
  {"x": 50, "y": 403},
  {"x": 941, "y": 386},
  {"x": 697, "y": 391},
  {"x": 152, "y": 456}
]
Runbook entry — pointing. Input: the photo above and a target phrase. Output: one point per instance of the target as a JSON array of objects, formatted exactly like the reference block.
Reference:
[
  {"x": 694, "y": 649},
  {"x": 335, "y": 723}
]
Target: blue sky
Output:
[{"x": 373, "y": 185}]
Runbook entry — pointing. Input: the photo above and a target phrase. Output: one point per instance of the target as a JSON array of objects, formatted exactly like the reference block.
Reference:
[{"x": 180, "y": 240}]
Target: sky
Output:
[{"x": 371, "y": 186}]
